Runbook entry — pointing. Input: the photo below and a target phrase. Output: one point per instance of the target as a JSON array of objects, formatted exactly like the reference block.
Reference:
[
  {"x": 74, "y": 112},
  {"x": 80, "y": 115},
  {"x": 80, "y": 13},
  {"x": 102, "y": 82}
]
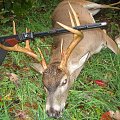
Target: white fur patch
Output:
[
  {"x": 63, "y": 88},
  {"x": 56, "y": 107}
]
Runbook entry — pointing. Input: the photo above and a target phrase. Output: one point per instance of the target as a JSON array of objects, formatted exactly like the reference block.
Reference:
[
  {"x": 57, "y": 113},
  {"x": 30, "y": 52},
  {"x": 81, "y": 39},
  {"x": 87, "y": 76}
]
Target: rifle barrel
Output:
[
  {"x": 62, "y": 30},
  {"x": 32, "y": 35}
]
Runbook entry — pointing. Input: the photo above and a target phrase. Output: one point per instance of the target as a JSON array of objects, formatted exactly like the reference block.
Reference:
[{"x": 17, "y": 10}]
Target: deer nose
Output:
[{"x": 53, "y": 113}]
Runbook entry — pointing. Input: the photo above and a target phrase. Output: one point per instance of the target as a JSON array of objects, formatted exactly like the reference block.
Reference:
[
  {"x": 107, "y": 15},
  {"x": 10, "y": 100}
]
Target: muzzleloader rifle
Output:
[{"x": 14, "y": 39}]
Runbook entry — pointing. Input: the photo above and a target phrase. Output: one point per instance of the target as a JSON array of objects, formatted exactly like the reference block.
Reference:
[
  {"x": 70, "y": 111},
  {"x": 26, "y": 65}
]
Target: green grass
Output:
[{"x": 86, "y": 101}]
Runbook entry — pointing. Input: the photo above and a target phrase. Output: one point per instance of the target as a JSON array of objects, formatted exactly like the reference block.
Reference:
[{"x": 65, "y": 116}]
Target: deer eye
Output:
[{"x": 64, "y": 82}]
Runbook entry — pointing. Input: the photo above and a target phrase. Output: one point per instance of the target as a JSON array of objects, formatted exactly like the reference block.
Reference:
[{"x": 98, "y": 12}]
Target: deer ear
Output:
[
  {"x": 37, "y": 67},
  {"x": 79, "y": 64}
]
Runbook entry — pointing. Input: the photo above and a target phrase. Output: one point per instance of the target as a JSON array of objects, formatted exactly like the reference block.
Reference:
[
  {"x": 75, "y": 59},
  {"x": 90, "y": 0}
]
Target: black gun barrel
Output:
[
  {"x": 32, "y": 35},
  {"x": 62, "y": 30}
]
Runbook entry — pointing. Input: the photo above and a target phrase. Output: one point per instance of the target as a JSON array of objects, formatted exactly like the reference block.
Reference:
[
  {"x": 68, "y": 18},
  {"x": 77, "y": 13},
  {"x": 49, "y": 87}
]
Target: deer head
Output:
[{"x": 57, "y": 83}]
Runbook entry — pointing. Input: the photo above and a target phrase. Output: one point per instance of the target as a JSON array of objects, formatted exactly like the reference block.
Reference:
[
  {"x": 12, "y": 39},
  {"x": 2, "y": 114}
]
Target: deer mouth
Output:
[{"x": 54, "y": 113}]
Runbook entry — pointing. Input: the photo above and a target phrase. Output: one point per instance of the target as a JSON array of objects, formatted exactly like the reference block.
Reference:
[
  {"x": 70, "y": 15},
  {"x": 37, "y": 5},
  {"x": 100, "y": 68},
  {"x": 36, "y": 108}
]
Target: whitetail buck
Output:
[{"x": 70, "y": 52}]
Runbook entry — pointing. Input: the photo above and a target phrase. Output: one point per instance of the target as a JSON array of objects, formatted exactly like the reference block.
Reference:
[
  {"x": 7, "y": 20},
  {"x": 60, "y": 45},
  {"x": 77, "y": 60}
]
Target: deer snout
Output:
[{"x": 53, "y": 113}]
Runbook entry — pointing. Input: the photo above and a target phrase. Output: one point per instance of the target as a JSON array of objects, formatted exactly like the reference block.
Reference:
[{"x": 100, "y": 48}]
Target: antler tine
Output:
[
  {"x": 44, "y": 64},
  {"x": 69, "y": 29},
  {"x": 75, "y": 15},
  {"x": 78, "y": 35},
  {"x": 71, "y": 18},
  {"x": 72, "y": 22},
  {"x": 14, "y": 28},
  {"x": 14, "y": 31}
]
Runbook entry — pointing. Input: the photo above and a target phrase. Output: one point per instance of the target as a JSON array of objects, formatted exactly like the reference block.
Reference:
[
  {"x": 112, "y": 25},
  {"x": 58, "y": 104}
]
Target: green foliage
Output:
[
  {"x": 11, "y": 9},
  {"x": 18, "y": 7},
  {"x": 14, "y": 8}
]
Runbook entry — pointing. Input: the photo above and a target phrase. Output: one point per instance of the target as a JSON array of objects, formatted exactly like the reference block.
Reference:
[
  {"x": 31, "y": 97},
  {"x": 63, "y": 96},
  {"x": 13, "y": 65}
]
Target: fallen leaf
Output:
[
  {"x": 11, "y": 109},
  {"x": 106, "y": 116},
  {"x": 14, "y": 66},
  {"x": 100, "y": 83},
  {"x": 33, "y": 105},
  {"x": 26, "y": 68},
  {"x": 7, "y": 97},
  {"x": 22, "y": 115},
  {"x": 13, "y": 78}
]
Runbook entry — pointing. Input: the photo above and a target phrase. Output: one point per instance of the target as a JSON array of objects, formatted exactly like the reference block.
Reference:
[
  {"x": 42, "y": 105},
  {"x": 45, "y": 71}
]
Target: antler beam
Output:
[{"x": 78, "y": 36}]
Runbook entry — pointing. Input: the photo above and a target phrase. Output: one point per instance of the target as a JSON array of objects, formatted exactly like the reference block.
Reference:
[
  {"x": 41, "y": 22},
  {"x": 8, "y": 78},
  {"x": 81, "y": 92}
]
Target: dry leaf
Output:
[
  {"x": 22, "y": 115},
  {"x": 100, "y": 83},
  {"x": 7, "y": 97},
  {"x": 26, "y": 68},
  {"x": 33, "y": 105},
  {"x": 13, "y": 78},
  {"x": 106, "y": 116}
]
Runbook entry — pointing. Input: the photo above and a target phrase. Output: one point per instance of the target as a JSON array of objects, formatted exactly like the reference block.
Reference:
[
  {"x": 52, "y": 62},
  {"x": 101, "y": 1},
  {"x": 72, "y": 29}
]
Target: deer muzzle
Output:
[
  {"x": 52, "y": 112},
  {"x": 55, "y": 106}
]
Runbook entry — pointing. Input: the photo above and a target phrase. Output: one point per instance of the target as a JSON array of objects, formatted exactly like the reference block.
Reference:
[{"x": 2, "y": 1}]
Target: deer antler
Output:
[
  {"x": 27, "y": 50},
  {"x": 78, "y": 35}
]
